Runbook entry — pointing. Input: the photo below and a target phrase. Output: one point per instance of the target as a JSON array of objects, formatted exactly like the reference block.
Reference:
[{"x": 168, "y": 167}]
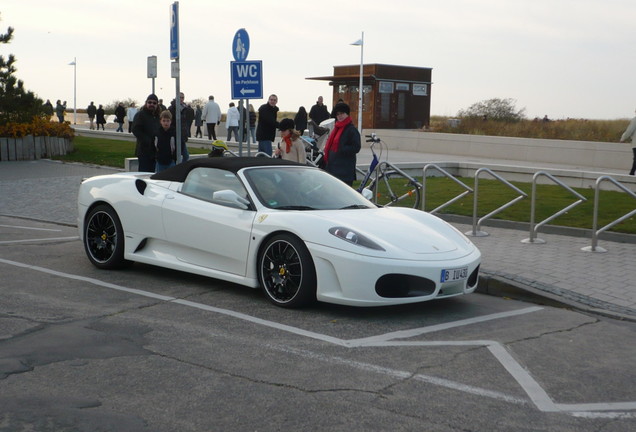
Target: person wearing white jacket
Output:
[
  {"x": 630, "y": 133},
  {"x": 232, "y": 122},
  {"x": 212, "y": 116}
]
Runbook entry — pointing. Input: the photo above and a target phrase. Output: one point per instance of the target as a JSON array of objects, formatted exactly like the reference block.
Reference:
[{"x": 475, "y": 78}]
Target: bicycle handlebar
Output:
[{"x": 373, "y": 138}]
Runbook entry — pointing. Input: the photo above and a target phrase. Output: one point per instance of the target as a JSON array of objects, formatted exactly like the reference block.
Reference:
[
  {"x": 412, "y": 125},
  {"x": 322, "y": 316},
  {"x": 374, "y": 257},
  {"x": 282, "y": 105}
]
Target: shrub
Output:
[
  {"x": 494, "y": 109},
  {"x": 37, "y": 127}
]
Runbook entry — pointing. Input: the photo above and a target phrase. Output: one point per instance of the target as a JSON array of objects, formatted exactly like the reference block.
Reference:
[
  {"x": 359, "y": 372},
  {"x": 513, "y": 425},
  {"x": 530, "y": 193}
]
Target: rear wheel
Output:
[
  {"x": 104, "y": 238},
  {"x": 286, "y": 272}
]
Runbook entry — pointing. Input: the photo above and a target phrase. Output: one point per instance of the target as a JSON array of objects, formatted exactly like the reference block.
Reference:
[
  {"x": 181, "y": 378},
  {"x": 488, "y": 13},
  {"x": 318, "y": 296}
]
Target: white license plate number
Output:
[{"x": 452, "y": 275}]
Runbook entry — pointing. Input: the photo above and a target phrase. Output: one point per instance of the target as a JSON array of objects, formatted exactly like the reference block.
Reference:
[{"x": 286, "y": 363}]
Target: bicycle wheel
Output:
[{"x": 395, "y": 189}]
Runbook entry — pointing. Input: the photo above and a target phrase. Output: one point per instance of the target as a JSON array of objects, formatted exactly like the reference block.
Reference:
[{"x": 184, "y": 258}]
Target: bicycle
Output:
[{"x": 387, "y": 184}]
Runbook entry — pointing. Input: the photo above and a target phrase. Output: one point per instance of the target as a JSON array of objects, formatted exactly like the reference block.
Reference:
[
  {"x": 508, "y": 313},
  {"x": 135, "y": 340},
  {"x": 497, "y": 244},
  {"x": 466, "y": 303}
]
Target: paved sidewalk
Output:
[{"x": 600, "y": 282}]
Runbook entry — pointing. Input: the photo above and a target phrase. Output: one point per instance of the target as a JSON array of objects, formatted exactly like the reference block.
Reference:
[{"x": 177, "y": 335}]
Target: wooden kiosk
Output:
[{"x": 394, "y": 97}]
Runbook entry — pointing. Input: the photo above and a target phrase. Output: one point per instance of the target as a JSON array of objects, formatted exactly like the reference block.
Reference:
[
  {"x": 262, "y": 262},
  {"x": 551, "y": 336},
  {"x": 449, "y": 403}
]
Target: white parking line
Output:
[
  {"x": 30, "y": 228},
  {"x": 533, "y": 389},
  {"x": 404, "y": 334},
  {"x": 39, "y": 240}
]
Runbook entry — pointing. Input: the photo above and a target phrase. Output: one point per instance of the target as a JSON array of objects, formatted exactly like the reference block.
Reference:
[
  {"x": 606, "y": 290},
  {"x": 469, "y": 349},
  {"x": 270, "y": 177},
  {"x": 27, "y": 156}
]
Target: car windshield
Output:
[{"x": 302, "y": 188}]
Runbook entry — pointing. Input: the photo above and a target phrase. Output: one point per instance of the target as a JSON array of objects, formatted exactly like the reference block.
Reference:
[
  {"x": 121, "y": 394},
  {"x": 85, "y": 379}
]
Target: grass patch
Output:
[
  {"x": 550, "y": 199},
  {"x": 108, "y": 152}
]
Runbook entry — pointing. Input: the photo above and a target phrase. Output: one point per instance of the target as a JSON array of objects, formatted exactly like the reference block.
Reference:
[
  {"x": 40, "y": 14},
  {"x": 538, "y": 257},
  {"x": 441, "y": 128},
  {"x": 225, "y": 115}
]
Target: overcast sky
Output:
[{"x": 563, "y": 58}]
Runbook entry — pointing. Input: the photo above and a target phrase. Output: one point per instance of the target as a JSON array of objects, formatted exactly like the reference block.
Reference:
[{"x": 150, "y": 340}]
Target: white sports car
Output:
[{"x": 296, "y": 231}]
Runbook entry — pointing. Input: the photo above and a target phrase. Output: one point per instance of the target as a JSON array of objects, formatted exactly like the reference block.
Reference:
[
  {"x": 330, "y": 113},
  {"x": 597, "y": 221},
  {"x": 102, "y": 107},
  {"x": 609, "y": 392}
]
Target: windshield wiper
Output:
[
  {"x": 294, "y": 207},
  {"x": 355, "y": 206}
]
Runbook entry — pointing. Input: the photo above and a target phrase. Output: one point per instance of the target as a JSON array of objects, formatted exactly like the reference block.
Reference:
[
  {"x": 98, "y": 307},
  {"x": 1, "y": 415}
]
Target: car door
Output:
[{"x": 206, "y": 233}]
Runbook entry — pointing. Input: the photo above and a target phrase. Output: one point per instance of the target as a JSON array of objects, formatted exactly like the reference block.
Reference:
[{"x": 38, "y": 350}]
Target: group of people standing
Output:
[
  {"x": 154, "y": 129},
  {"x": 342, "y": 146},
  {"x": 59, "y": 110},
  {"x": 97, "y": 116}
]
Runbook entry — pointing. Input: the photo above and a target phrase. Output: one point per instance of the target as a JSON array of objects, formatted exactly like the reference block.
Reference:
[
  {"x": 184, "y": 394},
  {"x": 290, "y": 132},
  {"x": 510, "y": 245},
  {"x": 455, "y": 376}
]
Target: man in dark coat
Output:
[
  {"x": 145, "y": 128},
  {"x": 267, "y": 124},
  {"x": 319, "y": 112},
  {"x": 185, "y": 134},
  {"x": 342, "y": 146},
  {"x": 91, "y": 111}
]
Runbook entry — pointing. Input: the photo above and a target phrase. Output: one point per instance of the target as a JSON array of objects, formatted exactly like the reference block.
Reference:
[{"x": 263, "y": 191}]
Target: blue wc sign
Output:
[{"x": 241, "y": 45}]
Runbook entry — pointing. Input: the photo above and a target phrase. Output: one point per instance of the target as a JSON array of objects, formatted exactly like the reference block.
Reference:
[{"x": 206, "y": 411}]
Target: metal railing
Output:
[
  {"x": 476, "y": 232},
  {"x": 535, "y": 228},
  {"x": 450, "y": 176},
  {"x": 594, "y": 247}
]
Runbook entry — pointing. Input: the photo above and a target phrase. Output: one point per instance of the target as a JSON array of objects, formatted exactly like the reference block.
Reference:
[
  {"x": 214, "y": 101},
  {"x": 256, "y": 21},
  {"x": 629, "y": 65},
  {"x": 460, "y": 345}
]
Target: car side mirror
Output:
[{"x": 230, "y": 198}]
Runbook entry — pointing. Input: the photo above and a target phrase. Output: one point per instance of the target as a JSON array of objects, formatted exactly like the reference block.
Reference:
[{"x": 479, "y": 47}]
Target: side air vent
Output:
[{"x": 141, "y": 186}]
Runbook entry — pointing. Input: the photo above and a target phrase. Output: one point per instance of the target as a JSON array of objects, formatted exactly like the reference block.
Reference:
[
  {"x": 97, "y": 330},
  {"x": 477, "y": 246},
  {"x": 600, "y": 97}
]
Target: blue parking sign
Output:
[
  {"x": 174, "y": 30},
  {"x": 247, "y": 79}
]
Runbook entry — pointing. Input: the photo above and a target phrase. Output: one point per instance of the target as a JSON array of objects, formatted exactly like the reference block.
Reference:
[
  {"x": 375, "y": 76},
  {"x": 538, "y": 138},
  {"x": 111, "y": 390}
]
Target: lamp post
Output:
[
  {"x": 74, "y": 64},
  {"x": 360, "y": 43}
]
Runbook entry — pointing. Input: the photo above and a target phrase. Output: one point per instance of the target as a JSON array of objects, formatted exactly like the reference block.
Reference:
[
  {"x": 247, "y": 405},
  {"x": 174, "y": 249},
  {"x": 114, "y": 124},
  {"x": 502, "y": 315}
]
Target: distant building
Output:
[{"x": 394, "y": 97}]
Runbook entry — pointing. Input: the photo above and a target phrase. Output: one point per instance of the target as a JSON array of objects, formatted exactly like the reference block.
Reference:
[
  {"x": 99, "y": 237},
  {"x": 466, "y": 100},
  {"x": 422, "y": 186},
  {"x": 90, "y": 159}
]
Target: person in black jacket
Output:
[
  {"x": 120, "y": 113},
  {"x": 92, "y": 112},
  {"x": 100, "y": 117},
  {"x": 165, "y": 143},
  {"x": 145, "y": 128},
  {"x": 342, "y": 146},
  {"x": 319, "y": 112},
  {"x": 267, "y": 125},
  {"x": 301, "y": 120},
  {"x": 185, "y": 134}
]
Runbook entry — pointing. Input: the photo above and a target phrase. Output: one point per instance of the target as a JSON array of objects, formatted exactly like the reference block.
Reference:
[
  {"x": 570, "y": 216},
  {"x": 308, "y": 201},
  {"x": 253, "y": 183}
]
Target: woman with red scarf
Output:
[
  {"x": 290, "y": 147},
  {"x": 342, "y": 146}
]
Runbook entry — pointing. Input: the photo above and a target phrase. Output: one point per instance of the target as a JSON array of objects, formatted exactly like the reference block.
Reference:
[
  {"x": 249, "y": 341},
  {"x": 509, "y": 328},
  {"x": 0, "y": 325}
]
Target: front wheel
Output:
[
  {"x": 286, "y": 272},
  {"x": 104, "y": 238}
]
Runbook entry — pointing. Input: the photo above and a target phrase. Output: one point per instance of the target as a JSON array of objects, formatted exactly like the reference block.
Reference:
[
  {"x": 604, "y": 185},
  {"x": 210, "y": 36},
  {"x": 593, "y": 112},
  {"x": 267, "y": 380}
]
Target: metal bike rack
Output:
[
  {"x": 384, "y": 166},
  {"x": 477, "y": 223},
  {"x": 595, "y": 232},
  {"x": 450, "y": 176},
  {"x": 534, "y": 229}
]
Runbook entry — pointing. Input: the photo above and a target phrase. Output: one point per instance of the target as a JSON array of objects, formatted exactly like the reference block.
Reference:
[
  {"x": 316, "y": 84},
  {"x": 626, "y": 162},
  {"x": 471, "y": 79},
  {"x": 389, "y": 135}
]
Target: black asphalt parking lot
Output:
[{"x": 147, "y": 348}]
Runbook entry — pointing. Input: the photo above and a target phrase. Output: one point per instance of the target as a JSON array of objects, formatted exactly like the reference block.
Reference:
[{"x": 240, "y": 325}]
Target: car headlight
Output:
[{"x": 354, "y": 237}]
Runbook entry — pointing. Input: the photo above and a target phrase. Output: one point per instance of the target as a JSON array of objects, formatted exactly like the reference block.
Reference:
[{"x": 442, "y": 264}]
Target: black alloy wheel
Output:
[
  {"x": 104, "y": 238},
  {"x": 286, "y": 272}
]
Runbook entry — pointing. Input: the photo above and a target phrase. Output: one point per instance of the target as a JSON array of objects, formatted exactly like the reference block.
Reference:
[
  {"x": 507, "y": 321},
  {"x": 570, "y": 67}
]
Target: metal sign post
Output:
[
  {"x": 175, "y": 72},
  {"x": 247, "y": 82},
  {"x": 152, "y": 70}
]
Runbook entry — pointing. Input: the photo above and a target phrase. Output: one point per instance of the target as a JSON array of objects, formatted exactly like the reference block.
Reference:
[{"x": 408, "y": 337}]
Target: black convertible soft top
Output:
[{"x": 179, "y": 172}]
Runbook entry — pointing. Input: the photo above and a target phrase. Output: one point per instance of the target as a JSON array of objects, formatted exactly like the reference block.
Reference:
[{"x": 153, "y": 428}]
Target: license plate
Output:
[{"x": 452, "y": 275}]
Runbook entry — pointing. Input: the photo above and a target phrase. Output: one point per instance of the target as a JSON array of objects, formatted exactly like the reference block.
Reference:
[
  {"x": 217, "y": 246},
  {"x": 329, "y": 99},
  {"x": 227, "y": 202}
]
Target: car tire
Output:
[
  {"x": 104, "y": 238},
  {"x": 286, "y": 272}
]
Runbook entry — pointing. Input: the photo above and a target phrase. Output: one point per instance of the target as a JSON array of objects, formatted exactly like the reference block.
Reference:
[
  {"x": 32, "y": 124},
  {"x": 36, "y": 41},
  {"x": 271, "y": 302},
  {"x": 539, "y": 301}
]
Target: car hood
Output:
[
  {"x": 401, "y": 232},
  {"x": 409, "y": 231}
]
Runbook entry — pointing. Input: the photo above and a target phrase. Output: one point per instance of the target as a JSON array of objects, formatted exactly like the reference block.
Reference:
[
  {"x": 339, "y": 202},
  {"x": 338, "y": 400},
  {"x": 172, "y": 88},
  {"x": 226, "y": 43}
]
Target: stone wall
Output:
[
  {"x": 585, "y": 154},
  {"x": 30, "y": 147}
]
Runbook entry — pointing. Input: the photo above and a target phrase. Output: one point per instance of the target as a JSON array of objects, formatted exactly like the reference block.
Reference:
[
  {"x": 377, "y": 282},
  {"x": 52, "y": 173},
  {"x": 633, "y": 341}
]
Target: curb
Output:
[{"x": 499, "y": 285}]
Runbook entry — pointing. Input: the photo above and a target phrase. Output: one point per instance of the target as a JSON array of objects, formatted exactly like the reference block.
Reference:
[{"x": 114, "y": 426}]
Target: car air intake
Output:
[{"x": 401, "y": 285}]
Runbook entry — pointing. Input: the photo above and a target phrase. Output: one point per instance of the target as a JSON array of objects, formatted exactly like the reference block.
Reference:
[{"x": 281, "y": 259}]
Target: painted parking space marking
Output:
[
  {"x": 538, "y": 396},
  {"x": 39, "y": 240},
  {"x": 30, "y": 228},
  {"x": 405, "y": 334}
]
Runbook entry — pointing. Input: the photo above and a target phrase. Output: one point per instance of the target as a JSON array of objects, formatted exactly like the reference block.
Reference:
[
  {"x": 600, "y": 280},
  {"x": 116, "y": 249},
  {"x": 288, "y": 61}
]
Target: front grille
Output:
[{"x": 400, "y": 285}]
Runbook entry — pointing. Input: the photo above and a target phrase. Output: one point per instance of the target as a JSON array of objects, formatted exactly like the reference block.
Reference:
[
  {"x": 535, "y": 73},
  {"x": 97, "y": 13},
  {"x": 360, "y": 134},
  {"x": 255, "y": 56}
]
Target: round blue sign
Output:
[{"x": 240, "y": 45}]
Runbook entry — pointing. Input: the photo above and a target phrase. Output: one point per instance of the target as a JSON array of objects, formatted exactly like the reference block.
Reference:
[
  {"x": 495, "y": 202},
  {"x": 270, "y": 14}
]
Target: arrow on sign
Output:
[{"x": 245, "y": 91}]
